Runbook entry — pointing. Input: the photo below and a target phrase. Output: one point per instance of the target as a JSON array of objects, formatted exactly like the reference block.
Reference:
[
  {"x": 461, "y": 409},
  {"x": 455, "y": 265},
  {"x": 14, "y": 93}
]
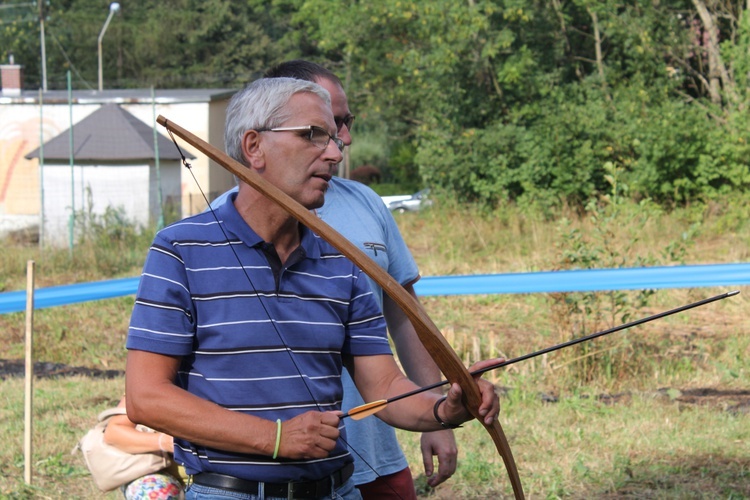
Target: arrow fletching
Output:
[{"x": 366, "y": 409}]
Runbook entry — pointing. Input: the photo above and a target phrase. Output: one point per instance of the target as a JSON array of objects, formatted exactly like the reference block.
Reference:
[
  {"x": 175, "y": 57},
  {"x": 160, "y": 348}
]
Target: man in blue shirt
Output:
[
  {"x": 358, "y": 213},
  {"x": 244, "y": 320}
]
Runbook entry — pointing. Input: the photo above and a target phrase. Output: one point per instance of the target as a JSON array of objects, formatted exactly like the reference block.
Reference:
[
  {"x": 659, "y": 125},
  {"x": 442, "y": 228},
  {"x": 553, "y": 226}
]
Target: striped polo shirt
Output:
[{"x": 254, "y": 336}]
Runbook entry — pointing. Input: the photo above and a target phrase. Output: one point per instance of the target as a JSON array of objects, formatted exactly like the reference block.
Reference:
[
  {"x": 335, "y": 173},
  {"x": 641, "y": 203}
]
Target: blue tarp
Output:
[
  {"x": 584, "y": 280},
  {"x": 68, "y": 294},
  {"x": 587, "y": 280}
]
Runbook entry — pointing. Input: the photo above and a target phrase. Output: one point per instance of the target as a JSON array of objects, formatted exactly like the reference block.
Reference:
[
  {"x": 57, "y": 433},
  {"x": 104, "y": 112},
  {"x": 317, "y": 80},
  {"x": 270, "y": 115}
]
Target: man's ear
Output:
[{"x": 251, "y": 150}]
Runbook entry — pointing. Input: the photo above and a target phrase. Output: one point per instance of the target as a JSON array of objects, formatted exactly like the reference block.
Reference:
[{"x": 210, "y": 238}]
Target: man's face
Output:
[
  {"x": 294, "y": 164},
  {"x": 339, "y": 106}
]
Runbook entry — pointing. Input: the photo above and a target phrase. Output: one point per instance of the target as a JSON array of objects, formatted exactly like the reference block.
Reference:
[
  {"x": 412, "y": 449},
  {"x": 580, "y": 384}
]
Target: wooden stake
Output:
[{"x": 29, "y": 374}]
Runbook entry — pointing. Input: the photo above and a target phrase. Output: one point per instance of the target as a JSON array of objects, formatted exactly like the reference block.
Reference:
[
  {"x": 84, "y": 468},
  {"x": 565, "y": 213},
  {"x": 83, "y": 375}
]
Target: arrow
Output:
[{"x": 368, "y": 409}]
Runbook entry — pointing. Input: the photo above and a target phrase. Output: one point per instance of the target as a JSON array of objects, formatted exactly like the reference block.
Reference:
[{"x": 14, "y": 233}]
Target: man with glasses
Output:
[
  {"x": 358, "y": 213},
  {"x": 316, "y": 135},
  {"x": 244, "y": 320}
]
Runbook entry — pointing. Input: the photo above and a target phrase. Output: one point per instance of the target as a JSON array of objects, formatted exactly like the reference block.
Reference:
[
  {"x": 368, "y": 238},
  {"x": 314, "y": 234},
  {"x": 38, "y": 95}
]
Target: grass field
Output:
[{"x": 659, "y": 411}]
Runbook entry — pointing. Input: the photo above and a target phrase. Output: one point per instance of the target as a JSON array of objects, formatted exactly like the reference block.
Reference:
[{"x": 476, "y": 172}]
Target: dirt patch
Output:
[
  {"x": 17, "y": 368},
  {"x": 733, "y": 401}
]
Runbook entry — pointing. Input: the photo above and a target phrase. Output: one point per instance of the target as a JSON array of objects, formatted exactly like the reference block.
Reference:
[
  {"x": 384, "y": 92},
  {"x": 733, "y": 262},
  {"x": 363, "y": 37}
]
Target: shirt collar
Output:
[{"x": 234, "y": 224}]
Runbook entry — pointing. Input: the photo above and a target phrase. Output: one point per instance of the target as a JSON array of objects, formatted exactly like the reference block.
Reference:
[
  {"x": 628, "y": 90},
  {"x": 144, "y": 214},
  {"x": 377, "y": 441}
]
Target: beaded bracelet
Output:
[{"x": 445, "y": 425}]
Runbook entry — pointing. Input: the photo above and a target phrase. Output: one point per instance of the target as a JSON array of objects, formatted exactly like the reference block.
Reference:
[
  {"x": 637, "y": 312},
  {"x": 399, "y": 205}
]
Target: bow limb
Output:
[{"x": 445, "y": 358}]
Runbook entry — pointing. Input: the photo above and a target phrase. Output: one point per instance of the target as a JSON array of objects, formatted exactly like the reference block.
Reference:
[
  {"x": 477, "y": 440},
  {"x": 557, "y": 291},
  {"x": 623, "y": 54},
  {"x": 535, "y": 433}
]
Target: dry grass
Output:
[
  {"x": 656, "y": 441},
  {"x": 64, "y": 409},
  {"x": 680, "y": 430}
]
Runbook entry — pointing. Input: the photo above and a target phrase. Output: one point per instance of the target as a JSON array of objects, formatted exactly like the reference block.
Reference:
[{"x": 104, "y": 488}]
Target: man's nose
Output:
[
  {"x": 333, "y": 153},
  {"x": 344, "y": 135}
]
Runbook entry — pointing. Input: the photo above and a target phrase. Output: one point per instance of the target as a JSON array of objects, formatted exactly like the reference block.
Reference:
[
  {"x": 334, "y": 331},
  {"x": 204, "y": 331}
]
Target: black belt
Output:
[{"x": 298, "y": 489}]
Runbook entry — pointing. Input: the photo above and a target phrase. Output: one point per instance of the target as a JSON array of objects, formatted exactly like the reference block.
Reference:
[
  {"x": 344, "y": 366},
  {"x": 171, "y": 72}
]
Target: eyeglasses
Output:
[
  {"x": 348, "y": 120},
  {"x": 318, "y": 136}
]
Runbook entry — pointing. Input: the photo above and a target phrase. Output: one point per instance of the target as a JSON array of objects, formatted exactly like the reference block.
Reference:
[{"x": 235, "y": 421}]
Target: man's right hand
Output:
[{"x": 310, "y": 435}]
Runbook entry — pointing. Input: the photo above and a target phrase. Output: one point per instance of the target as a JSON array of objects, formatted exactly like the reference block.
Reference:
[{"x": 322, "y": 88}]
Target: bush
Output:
[{"x": 555, "y": 152}]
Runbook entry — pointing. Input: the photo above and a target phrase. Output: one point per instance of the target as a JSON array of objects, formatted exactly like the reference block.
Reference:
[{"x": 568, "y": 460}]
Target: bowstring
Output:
[{"x": 265, "y": 310}]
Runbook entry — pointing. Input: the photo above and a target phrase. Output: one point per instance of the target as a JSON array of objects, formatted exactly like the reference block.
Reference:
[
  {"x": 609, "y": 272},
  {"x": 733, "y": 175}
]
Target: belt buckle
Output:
[{"x": 290, "y": 491}]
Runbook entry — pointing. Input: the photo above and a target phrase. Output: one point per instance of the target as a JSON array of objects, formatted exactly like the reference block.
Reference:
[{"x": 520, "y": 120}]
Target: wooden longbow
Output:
[{"x": 445, "y": 357}]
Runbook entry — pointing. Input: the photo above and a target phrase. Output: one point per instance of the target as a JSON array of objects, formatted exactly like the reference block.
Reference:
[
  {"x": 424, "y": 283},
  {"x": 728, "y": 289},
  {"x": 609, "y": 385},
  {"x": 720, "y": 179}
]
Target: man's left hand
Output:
[{"x": 453, "y": 409}]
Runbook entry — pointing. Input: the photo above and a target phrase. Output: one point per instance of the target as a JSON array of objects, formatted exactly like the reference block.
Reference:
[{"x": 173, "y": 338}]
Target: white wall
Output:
[{"x": 93, "y": 188}]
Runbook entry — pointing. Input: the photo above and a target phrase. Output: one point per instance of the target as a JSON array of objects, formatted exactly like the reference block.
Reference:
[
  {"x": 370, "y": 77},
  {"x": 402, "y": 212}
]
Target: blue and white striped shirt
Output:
[{"x": 265, "y": 343}]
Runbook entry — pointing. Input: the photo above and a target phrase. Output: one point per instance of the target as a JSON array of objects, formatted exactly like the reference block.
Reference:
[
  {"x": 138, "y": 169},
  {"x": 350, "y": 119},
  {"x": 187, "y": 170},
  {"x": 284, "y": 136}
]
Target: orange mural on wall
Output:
[
  {"x": 19, "y": 177},
  {"x": 11, "y": 168}
]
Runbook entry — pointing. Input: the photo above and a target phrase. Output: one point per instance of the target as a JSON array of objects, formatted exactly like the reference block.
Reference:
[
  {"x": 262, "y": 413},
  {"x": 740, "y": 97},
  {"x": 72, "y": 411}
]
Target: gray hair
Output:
[{"x": 262, "y": 104}]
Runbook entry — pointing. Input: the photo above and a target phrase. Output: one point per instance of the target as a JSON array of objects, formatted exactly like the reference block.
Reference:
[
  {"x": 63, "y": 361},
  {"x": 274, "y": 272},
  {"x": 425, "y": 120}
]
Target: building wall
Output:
[
  {"x": 88, "y": 190},
  {"x": 171, "y": 189},
  {"x": 219, "y": 179},
  {"x": 20, "y": 133}
]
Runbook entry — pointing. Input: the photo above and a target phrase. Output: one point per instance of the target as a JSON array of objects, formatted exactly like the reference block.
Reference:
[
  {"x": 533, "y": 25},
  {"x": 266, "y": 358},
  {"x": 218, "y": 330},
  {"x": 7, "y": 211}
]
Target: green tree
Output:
[{"x": 492, "y": 100}]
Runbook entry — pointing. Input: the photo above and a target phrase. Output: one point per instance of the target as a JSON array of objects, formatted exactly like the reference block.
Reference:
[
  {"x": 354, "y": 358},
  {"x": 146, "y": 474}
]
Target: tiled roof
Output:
[{"x": 109, "y": 134}]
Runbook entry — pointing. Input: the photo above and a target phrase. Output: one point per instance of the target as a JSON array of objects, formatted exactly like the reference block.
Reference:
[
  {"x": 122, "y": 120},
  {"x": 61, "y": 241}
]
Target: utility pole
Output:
[
  {"x": 113, "y": 7},
  {"x": 40, "y": 3}
]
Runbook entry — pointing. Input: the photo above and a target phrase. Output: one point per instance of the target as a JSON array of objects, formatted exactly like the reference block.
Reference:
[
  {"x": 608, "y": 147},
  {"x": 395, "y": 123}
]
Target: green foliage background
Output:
[{"x": 486, "y": 101}]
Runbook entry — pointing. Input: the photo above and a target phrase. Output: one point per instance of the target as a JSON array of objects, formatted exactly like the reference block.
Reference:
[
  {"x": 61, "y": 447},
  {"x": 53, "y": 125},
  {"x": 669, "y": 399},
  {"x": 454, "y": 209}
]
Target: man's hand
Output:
[
  {"x": 443, "y": 445},
  {"x": 310, "y": 435},
  {"x": 452, "y": 411}
]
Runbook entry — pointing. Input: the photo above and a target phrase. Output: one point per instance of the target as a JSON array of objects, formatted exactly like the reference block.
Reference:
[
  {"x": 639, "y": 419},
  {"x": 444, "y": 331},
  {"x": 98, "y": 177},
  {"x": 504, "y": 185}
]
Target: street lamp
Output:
[{"x": 113, "y": 7}]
